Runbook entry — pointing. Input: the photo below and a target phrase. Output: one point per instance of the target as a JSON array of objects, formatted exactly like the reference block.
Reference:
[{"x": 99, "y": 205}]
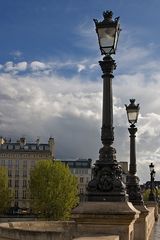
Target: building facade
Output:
[
  {"x": 19, "y": 158},
  {"x": 124, "y": 166},
  {"x": 82, "y": 169}
]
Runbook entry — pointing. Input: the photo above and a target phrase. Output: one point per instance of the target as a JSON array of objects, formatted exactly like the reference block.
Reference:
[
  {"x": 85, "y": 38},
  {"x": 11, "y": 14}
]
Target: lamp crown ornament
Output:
[
  {"x": 108, "y": 18},
  {"x": 108, "y": 15},
  {"x": 132, "y": 103}
]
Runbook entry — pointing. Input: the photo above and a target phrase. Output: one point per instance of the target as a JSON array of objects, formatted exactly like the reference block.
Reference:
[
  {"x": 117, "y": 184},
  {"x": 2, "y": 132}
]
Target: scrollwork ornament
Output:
[{"x": 105, "y": 180}]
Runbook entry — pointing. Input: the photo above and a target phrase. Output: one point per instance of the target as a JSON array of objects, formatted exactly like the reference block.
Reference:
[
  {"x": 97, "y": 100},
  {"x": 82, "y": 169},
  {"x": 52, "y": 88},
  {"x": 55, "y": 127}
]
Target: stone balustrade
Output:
[
  {"x": 38, "y": 230},
  {"x": 99, "y": 238},
  {"x": 91, "y": 224}
]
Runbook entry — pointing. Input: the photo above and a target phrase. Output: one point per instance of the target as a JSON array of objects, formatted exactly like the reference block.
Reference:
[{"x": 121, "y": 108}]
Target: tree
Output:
[
  {"x": 5, "y": 196},
  {"x": 53, "y": 190},
  {"x": 156, "y": 192}
]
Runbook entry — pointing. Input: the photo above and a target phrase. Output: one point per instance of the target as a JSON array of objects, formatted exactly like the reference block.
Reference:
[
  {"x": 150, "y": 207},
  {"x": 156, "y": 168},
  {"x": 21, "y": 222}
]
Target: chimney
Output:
[
  {"x": 38, "y": 141},
  {"x": 22, "y": 142},
  {"x": 2, "y": 141},
  {"x": 51, "y": 146}
]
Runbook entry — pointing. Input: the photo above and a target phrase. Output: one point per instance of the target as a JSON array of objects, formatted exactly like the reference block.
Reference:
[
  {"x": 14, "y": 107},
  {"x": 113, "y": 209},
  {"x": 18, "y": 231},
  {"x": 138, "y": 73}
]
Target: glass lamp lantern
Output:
[
  {"x": 151, "y": 167},
  {"x": 108, "y": 33},
  {"x": 132, "y": 111}
]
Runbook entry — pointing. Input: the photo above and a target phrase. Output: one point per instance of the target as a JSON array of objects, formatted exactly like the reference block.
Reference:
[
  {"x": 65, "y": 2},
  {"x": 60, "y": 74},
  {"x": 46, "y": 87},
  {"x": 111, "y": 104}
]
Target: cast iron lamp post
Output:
[
  {"x": 133, "y": 187},
  {"x": 152, "y": 173},
  {"x": 107, "y": 184}
]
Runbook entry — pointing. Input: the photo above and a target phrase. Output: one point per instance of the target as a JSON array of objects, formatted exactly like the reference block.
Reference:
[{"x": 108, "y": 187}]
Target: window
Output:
[
  {"x": 16, "y": 173},
  {"x": 24, "y": 173},
  {"x": 9, "y": 173},
  {"x": 26, "y": 147},
  {"x": 70, "y": 164},
  {"x": 10, "y": 192},
  {"x": 17, "y": 147},
  {"x": 78, "y": 164},
  {"x": 41, "y": 147},
  {"x": 9, "y": 183},
  {"x": 24, "y": 183},
  {"x": 17, "y": 163},
  {"x": 2, "y": 162},
  {"x": 16, "y": 183},
  {"x": 9, "y": 163},
  {"x": 24, "y": 194},
  {"x": 80, "y": 171},
  {"x": 16, "y": 204},
  {"x": 84, "y": 164},
  {"x": 33, "y": 147},
  {"x": 81, "y": 190},
  {"x": 32, "y": 163},
  {"x": 4, "y": 146},
  {"x": 16, "y": 194},
  {"x": 24, "y": 163},
  {"x": 81, "y": 179},
  {"x": 10, "y": 147}
]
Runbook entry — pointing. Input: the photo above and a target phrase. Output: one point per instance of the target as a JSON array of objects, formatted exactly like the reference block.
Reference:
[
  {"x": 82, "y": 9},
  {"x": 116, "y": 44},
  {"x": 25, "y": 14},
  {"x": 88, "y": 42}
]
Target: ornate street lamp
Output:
[
  {"x": 108, "y": 32},
  {"x": 152, "y": 185},
  {"x": 133, "y": 187},
  {"x": 107, "y": 184}
]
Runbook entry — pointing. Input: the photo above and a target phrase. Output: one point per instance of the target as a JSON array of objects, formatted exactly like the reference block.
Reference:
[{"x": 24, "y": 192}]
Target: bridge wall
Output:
[{"x": 59, "y": 230}]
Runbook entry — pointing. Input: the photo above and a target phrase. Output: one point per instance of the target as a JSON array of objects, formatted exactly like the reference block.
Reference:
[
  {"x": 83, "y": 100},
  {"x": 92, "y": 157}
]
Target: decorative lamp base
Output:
[
  {"x": 134, "y": 190},
  {"x": 107, "y": 184}
]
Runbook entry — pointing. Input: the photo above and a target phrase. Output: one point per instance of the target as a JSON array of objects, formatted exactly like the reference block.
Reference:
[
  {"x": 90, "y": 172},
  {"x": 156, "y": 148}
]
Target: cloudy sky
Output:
[{"x": 50, "y": 81}]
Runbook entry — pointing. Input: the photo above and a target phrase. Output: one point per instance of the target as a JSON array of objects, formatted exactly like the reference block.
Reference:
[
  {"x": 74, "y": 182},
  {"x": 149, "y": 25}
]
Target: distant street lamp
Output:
[
  {"x": 152, "y": 185},
  {"x": 107, "y": 184},
  {"x": 133, "y": 187}
]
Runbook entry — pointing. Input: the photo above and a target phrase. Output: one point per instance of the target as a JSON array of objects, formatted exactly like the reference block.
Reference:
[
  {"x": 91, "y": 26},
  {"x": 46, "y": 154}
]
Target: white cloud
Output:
[
  {"x": 46, "y": 68},
  {"x": 15, "y": 67},
  {"x": 88, "y": 35},
  {"x": 128, "y": 55},
  {"x": 147, "y": 125},
  {"x": 8, "y": 66},
  {"x": 21, "y": 66},
  {"x": 69, "y": 108},
  {"x": 38, "y": 66},
  {"x": 16, "y": 53},
  {"x": 94, "y": 65},
  {"x": 80, "y": 67},
  {"x": 145, "y": 89},
  {"x": 41, "y": 105}
]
